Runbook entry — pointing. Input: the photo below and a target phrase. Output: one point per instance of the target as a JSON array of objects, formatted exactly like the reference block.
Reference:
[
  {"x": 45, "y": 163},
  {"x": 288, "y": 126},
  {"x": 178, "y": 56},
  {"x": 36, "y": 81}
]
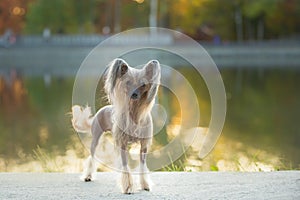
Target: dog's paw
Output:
[
  {"x": 127, "y": 183},
  {"x": 145, "y": 182},
  {"x": 144, "y": 185},
  {"x": 88, "y": 178},
  {"x": 146, "y": 188},
  {"x": 129, "y": 191}
]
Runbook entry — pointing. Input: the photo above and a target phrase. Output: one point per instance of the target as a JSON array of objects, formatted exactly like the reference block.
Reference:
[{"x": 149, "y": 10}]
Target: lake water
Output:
[{"x": 261, "y": 131}]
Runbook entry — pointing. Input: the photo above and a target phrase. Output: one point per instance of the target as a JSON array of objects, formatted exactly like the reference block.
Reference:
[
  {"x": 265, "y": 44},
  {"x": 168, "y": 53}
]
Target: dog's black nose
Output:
[
  {"x": 155, "y": 62},
  {"x": 134, "y": 96}
]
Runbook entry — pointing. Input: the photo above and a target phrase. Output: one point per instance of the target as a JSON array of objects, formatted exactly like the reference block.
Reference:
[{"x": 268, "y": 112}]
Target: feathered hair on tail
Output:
[{"x": 82, "y": 119}]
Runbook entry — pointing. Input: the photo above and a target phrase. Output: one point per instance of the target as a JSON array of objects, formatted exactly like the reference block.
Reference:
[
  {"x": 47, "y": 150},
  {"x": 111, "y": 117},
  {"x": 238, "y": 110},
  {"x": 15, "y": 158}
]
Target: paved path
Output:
[{"x": 175, "y": 185}]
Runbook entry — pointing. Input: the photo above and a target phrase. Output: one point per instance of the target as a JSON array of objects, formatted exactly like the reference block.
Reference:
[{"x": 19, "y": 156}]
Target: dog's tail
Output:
[{"x": 82, "y": 119}]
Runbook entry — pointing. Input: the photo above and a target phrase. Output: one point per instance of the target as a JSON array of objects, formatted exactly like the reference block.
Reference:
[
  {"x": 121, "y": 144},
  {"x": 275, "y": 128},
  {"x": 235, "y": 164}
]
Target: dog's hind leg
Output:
[
  {"x": 144, "y": 177},
  {"x": 89, "y": 169},
  {"x": 90, "y": 164},
  {"x": 126, "y": 178},
  {"x": 101, "y": 123}
]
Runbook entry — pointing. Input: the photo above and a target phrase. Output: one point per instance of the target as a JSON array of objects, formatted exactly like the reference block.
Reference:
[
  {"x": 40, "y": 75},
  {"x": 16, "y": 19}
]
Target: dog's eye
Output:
[{"x": 143, "y": 85}]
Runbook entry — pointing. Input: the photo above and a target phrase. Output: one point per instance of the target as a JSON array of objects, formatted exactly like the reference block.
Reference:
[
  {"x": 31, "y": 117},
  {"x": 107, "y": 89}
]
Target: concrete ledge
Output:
[
  {"x": 168, "y": 185},
  {"x": 65, "y": 60}
]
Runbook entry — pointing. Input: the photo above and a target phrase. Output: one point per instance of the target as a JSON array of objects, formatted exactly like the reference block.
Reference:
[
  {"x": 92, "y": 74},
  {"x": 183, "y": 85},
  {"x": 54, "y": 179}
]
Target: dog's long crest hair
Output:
[{"x": 131, "y": 91}]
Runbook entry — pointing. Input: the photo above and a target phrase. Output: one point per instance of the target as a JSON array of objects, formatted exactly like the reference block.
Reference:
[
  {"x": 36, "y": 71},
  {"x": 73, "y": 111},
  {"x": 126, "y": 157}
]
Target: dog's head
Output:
[{"x": 125, "y": 84}]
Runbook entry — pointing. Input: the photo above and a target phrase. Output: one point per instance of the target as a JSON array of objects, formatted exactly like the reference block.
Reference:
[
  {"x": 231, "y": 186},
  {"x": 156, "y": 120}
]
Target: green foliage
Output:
[
  {"x": 260, "y": 19},
  {"x": 272, "y": 18},
  {"x": 175, "y": 167},
  {"x": 214, "y": 168},
  {"x": 254, "y": 9},
  {"x": 285, "y": 18},
  {"x": 61, "y": 16}
]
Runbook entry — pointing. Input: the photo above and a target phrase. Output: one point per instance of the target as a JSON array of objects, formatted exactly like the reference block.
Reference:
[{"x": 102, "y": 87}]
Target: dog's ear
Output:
[
  {"x": 123, "y": 69},
  {"x": 152, "y": 73},
  {"x": 119, "y": 68},
  {"x": 115, "y": 70}
]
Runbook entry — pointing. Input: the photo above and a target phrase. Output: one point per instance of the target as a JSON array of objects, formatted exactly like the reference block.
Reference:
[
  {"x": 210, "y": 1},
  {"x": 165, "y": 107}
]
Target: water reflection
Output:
[
  {"x": 261, "y": 132},
  {"x": 33, "y": 114}
]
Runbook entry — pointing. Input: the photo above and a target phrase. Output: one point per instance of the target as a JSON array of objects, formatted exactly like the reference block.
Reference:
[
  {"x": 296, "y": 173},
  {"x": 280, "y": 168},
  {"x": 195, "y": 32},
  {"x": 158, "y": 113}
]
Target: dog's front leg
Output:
[
  {"x": 144, "y": 178},
  {"x": 126, "y": 179}
]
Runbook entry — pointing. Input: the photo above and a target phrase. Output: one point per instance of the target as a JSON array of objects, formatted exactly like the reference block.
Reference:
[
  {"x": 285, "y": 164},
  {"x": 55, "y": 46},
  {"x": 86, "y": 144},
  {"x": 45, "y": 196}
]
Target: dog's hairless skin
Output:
[
  {"x": 131, "y": 93},
  {"x": 101, "y": 123}
]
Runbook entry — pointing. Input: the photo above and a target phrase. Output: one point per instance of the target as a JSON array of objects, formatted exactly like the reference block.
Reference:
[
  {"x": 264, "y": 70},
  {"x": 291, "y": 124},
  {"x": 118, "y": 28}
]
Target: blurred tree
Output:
[
  {"x": 235, "y": 19},
  {"x": 12, "y": 15},
  {"x": 135, "y": 14},
  {"x": 185, "y": 15},
  {"x": 284, "y": 21},
  {"x": 60, "y": 16},
  {"x": 271, "y": 18},
  {"x": 203, "y": 19},
  {"x": 255, "y": 13},
  {"x": 82, "y": 16}
]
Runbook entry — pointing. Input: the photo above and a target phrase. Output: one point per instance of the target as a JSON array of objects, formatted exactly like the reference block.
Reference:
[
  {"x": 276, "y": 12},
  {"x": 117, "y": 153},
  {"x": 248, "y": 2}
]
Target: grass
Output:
[
  {"x": 243, "y": 160},
  {"x": 48, "y": 162},
  {"x": 178, "y": 165},
  {"x": 174, "y": 167}
]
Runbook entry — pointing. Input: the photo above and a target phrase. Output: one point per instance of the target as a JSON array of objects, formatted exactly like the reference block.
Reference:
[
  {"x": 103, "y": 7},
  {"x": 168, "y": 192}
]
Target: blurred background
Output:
[{"x": 255, "y": 44}]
